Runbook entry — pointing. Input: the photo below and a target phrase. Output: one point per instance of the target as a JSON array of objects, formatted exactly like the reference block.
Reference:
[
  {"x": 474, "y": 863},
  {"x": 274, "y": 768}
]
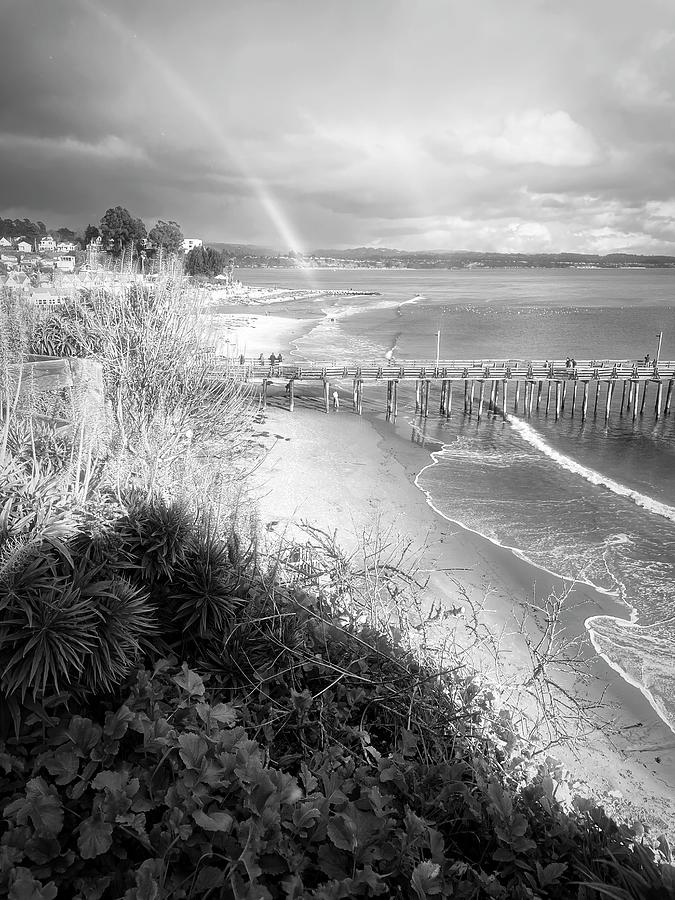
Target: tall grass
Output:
[{"x": 171, "y": 435}]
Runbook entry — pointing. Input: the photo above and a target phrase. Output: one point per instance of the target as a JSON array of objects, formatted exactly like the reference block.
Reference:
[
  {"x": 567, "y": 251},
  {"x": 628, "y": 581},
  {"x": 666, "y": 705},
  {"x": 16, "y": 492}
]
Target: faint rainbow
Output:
[{"x": 208, "y": 118}]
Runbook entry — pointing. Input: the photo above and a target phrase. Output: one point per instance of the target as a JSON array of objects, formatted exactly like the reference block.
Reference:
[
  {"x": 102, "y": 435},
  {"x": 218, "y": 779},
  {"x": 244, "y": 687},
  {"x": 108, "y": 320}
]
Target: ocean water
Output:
[{"x": 591, "y": 501}]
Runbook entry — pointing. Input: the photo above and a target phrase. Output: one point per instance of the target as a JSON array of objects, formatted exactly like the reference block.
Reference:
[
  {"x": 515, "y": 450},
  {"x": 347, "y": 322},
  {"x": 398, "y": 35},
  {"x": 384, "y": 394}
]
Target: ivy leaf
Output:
[
  {"x": 342, "y": 832},
  {"x": 305, "y": 816},
  {"x": 501, "y": 801},
  {"x": 209, "y": 878},
  {"x": 117, "y": 724},
  {"x": 224, "y": 713},
  {"x": 192, "y": 750},
  {"x": 332, "y": 862},
  {"x": 214, "y": 821},
  {"x": 113, "y": 781},
  {"x": 83, "y": 734},
  {"x": 41, "y": 849},
  {"x": 41, "y": 805},
  {"x": 425, "y": 879},
  {"x": 24, "y": 887},
  {"x": 190, "y": 682},
  {"x": 550, "y": 874},
  {"x": 95, "y": 837},
  {"x": 147, "y": 881},
  {"x": 64, "y": 765},
  {"x": 93, "y": 888}
]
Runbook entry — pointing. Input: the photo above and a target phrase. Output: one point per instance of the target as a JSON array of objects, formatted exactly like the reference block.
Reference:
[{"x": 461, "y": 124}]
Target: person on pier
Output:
[{"x": 336, "y": 400}]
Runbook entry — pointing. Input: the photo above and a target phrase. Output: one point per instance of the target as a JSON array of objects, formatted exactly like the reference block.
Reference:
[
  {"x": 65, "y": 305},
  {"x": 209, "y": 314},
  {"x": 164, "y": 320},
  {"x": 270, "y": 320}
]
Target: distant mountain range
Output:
[{"x": 387, "y": 258}]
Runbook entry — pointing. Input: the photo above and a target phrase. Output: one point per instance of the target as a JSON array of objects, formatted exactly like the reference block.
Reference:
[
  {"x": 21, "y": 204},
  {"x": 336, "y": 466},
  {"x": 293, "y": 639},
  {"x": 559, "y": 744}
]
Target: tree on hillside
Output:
[
  {"x": 17, "y": 228},
  {"x": 120, "y": 229},
  {"x": 167, "y": 235},
  {"x": 205, "y": 261},
  {"x": 91, "y": 232},
  {"x": 63, "y": 234}
]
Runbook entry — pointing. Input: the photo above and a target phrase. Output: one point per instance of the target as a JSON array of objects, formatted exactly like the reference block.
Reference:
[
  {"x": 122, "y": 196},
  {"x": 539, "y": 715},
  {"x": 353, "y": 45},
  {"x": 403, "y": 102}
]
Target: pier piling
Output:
[
  {"x": 668, "y": 393},
  {"x": 557, "y": 400},
  {"x": 574, "y": 395},
  {"x": 659, "y": 395},
  {"x": 584, "y": 402},
  {"x": 644, "y": 397}
]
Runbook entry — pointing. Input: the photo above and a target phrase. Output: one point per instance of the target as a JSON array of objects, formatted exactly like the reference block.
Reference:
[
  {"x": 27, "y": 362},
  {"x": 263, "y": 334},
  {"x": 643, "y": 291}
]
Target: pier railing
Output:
[{"x": 557, "y": 375}]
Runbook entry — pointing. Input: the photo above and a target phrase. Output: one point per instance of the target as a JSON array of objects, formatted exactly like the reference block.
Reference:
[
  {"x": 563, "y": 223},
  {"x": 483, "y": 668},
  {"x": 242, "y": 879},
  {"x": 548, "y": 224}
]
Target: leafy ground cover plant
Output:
[{"x": 166, "y": 795}]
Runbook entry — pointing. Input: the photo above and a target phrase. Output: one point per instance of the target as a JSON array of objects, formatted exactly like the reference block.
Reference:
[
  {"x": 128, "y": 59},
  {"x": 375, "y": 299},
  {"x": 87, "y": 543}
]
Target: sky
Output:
[{"x": 502, "y": 125}]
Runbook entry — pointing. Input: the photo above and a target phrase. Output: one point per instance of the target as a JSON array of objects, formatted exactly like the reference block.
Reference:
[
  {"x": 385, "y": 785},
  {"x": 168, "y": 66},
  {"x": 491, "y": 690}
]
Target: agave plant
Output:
[
  {"x": 206, "y": 591},
  {"x": 65, "y": 627},
  {"x": 126, "y": 624},
  {"x": 154, "y": 533},
  {"x": 48, "y": 631}
]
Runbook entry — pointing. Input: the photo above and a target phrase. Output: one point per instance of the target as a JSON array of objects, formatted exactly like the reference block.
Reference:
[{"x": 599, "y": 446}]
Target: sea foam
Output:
[{"x": 591, "y": 475}]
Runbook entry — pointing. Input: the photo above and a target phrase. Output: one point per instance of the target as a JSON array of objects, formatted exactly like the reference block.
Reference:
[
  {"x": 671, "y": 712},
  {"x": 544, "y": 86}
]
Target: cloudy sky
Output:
[{"x": 513, "y": 125}]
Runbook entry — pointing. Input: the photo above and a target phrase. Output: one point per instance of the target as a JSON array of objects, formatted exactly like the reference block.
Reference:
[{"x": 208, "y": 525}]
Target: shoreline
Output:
[
  {"x": 297, "y": 480},
  {"x": 632, "y": 769}
]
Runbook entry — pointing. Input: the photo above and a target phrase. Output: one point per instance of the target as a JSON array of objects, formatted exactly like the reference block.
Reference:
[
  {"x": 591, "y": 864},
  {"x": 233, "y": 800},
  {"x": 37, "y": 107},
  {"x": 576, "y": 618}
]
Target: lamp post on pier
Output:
[
  {"x": 658, "y": 350},
  {"x": 438, "y": 347}
]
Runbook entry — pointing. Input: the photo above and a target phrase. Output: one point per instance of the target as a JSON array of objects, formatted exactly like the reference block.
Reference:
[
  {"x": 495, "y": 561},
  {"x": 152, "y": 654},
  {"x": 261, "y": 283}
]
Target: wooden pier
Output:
[{"x": 484, "y": 386}]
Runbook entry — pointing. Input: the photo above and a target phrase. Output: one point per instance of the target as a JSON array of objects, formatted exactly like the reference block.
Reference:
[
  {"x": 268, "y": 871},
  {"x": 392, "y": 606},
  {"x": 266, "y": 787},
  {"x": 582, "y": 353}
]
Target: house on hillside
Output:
[
  {"x": 191, "y": 243},
  {"x": 18, "y": 280},
  {"x": 67, "y": 246},
  {"x": 47, "y": 244},
  {"x": 4, "y": 243},
  {"x": 9, "y": 260},
  {"x": 65, "y": 263},
  {"x": 24, "y": 246}
]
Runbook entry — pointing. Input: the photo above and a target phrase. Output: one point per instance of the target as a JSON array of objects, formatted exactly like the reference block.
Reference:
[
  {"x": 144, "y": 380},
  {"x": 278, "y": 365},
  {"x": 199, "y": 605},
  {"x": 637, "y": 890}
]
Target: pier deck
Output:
[{"x": 488, "y": 377}]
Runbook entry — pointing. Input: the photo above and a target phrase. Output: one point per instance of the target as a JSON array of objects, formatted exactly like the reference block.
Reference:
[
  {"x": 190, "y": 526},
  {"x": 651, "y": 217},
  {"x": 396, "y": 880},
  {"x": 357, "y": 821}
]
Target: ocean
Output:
[{"x": 591, "y": 501}]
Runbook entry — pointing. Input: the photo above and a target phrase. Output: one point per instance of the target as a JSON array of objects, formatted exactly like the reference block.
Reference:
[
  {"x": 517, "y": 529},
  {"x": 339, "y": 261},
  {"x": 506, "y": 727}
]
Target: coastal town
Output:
[{"x": 48, "y": 270}]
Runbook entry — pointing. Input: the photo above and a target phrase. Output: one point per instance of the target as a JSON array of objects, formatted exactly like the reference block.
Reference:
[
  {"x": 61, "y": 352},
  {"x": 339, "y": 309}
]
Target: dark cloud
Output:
[{"x": 544, "y": 124}]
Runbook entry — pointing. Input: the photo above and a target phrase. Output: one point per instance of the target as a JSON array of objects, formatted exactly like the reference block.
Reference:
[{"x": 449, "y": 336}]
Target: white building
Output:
[
  {"x": 4, "y": 242},
  {"x": 191, "y": 243},
  {"x": 47, "y": 244},
  {"x": 24, "y": 247},
  {"x": 65, "y": 263},
  {"x": 66, "y": 247}
]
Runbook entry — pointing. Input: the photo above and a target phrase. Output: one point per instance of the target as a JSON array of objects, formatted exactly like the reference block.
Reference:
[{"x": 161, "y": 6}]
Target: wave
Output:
[
  {"x": 413, "y": 300},
  {"x": 591, "y": 475},
  {"x": 577, "y": 578},
  {"x": 625, "y": 630}
]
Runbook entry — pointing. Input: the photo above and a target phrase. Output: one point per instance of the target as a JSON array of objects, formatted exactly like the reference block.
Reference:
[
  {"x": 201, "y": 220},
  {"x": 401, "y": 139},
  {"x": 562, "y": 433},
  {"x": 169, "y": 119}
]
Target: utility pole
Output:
[
  {"x": 658, "y": 351},
  {"x": 438, "y": 347}
]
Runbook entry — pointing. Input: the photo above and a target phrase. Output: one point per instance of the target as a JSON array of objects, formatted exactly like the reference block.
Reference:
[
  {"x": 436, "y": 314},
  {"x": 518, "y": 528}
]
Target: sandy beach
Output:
[
  {"x": 352, "y": 475},
  {"x": 251, "y": 334}
]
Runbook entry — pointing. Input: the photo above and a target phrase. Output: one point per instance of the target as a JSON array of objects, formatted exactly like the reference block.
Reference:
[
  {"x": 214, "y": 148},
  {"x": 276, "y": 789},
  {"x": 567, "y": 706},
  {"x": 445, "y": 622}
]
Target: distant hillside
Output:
[
  {"x": 464, "y": 259},
  {"x": 389, "y": 258}
]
